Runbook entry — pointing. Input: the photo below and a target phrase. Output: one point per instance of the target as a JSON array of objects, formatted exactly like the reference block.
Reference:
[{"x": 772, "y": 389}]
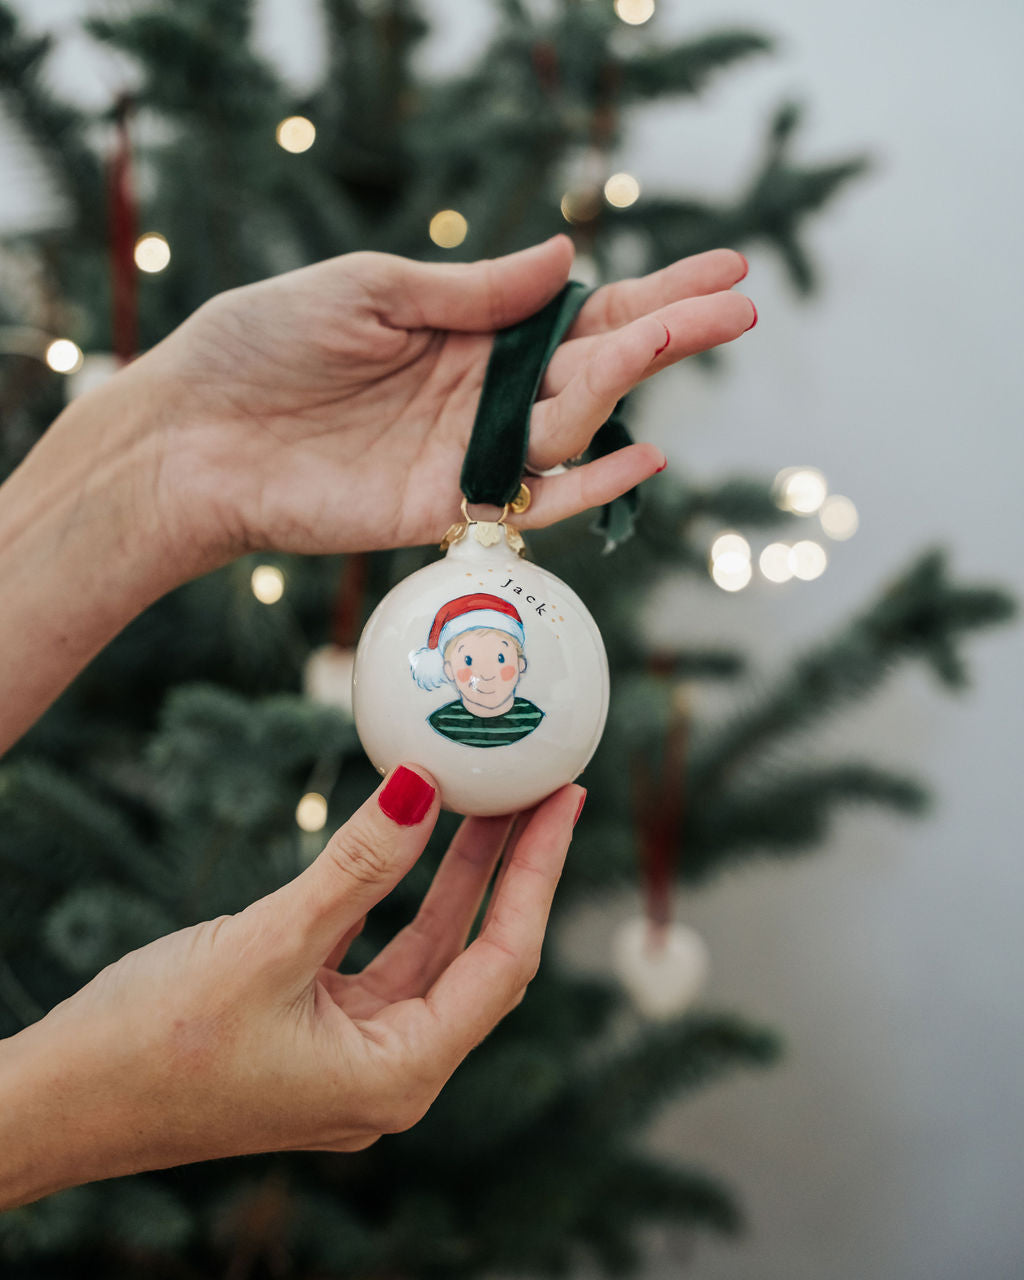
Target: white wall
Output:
[{"x": 889, "y": 1144}]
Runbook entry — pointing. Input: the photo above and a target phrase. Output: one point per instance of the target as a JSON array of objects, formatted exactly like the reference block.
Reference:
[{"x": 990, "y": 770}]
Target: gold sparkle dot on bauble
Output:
[
  {"x": 622, "y": 190},
  {"x": 64, "y": 356},
  {"x": 267, "y": 583},
  {"x": 311, "y": 811},
  {"x": 448, "y": 228},
  {"x": 296, "y": 134},
  {"x": 635, "y": 12}
]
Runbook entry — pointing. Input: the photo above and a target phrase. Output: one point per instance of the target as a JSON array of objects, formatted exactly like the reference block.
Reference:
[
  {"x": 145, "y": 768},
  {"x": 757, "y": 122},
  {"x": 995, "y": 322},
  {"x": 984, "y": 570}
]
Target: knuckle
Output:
[{"x": 358, "y": 855}]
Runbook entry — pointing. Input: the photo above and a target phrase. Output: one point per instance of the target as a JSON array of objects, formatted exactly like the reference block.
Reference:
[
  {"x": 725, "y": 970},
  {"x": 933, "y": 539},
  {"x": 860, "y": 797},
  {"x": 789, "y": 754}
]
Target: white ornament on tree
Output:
[
  {"x": 486, "y": 670},
  {"x": 327, "y": 677},
  {"x": 664, "y": 968}
]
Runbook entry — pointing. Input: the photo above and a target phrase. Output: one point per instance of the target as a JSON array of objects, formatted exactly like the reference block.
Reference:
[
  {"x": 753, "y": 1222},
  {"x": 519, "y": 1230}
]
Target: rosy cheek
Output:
[
  {"x": 508, "y": 673},
  {"x": 464, "y": 674}
]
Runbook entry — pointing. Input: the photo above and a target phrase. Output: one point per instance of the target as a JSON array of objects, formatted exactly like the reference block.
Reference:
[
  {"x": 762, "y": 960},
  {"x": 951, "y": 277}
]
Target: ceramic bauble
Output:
[{"x": 487, "y": 671}]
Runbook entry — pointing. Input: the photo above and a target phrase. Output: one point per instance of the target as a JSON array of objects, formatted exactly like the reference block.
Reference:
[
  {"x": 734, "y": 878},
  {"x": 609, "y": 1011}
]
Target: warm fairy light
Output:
[
  {"x": 774, "y": 562},
  {"x": 807, "y": 560},
  {"x": 621, "y": 190},
  {"x": 732, "y": 571},
  {"x": 311, "y": 811},
  {"x": 448, "y": 228},
  {"x": 839, "y": 517},
  {"x": 296, "y": 134},
  {"x": 64, "y": 356},
  {"x": 635, "y": 12},
  {"x": 801, "y": 490},
  {"x": 581, "y": 205},
  {"x": 730, "y": 544},
  {"x": 152, "y": 252},
  {"x": 267, "y": 583}
]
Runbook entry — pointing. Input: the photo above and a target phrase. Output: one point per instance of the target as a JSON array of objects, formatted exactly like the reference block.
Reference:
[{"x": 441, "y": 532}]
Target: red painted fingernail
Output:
[
  {"x": 662, "y": 467},
  {"x": 406, "y": 798},
  {"x": 579, "y": 810},
  {"x": 746, "y": 264},
  {"x": 754, "y": 321},
  {"x": 668, "y": 339}
]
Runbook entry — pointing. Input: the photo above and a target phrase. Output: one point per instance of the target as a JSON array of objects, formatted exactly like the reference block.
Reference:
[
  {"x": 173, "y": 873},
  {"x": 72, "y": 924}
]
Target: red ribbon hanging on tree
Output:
[
  {"x": 123, "y": 221},
  {"x": 661, "y": 806}
]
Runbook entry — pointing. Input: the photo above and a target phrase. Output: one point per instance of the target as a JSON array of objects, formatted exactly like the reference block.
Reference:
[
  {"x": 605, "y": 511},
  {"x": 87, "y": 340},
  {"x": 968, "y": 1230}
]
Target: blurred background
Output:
[{"x": 888, "y": 1140}]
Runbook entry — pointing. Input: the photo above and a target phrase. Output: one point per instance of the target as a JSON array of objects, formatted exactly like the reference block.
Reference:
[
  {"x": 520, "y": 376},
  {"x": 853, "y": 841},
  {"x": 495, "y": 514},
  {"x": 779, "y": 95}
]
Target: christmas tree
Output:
[{"x": 199, "y": 760}]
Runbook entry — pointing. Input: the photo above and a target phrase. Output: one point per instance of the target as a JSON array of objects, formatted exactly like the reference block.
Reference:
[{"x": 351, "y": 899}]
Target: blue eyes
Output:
[
  {"x": 501, "y": 659},
  {"x": 469, "y": 661}
]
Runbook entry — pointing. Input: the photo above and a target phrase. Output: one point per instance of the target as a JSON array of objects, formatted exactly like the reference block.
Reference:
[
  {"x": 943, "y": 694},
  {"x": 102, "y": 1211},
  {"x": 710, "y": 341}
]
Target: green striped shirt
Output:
[{"x": 455, "y": 722}]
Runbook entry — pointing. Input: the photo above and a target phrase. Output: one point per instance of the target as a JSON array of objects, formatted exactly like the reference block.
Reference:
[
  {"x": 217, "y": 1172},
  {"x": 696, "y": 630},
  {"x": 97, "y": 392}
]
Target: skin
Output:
[
  {"x": 485, "y": 667},
  {"x": 326, "y": 410}
]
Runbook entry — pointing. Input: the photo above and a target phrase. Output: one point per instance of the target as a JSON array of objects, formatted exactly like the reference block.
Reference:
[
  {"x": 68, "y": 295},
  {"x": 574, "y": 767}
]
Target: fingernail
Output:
[
  {"x": 668, "y": 339},
  {"x": 662, "y": 467},
  {"x": 406, "y": 798},
  {"x": 746, "y": 264},
  {"x": 579, "y": 810},
  {"x": 754, "y": 321}
]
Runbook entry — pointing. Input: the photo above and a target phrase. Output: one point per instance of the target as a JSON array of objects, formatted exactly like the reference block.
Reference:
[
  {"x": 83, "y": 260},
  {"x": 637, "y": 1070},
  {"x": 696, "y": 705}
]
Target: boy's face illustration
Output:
[{"x": 485, "y": 667}]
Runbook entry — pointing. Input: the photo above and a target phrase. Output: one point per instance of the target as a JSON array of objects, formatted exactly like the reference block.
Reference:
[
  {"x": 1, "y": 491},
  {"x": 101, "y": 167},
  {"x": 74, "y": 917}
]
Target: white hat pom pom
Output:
[{"x": 427, "y": 666}]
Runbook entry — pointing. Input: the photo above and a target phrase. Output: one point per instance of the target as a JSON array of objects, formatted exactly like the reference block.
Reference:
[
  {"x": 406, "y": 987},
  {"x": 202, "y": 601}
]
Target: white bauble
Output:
[
  {"x": 486, "y": 670},
  {"x": 663, "y": 968},
  {"x": 327, "y": 677}
]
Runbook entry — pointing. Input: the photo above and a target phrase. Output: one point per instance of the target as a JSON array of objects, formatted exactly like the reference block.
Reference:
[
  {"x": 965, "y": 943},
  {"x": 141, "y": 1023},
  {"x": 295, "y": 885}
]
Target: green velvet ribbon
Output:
[{"x": 496, "y": 458}]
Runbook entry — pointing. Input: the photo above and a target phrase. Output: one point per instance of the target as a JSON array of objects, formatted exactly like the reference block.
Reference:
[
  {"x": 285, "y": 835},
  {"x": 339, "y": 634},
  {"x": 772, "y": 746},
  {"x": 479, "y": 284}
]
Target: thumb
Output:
[
  {"x": 481, "y": 296},
  {"x": 360, "y": 865}
]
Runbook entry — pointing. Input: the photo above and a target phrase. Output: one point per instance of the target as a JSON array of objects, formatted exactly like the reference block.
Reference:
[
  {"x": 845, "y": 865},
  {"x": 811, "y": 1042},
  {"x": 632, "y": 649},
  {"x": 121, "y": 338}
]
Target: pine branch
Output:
[
  {"x": 786, "y": 815},
  {"x": 686, "y": 68},
  {"x": 921, "y": 615}
]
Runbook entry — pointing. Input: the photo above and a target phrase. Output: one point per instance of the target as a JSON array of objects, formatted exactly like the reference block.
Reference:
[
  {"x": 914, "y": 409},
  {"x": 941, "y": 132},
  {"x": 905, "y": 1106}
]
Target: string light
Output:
[
  {"x": 730, "y": 561},
  {"x": 635, "y": 12},
  {"x": 311, "y": 811},
  {"x": 580, "y": 205},
  {"x": 839, "y": 517},
  {"x": 622, "y": 190},
  {"x": 296, "y": 134},
  {"x": 807, "y": 560},
  {"x": 801, "y": 490},
  {"x": 267, "y": 583},
  {"x": 448, "y": 228},
  {"x": 64, "y": 356},
  {"x": 152, "y": 252},
  {"x": 774, "y": 562}
]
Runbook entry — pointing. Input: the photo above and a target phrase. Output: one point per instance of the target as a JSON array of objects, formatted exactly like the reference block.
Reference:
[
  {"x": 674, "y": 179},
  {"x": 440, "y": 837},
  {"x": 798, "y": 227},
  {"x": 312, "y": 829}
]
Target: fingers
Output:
[
  {"x": 556, "y": 498},
  {"x": 614, "y": 305},
  {"x": 361, "y": 864},
  {"x": 488, "y": 979},
  {"x": 478, "y": 296},
  {"x": 410, "y": 964},
  {"x": 586, "y": 379}
]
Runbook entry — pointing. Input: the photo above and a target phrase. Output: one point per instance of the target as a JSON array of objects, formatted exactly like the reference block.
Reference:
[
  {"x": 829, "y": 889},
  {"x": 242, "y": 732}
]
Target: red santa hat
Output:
[{"x": 452, "y": 619}]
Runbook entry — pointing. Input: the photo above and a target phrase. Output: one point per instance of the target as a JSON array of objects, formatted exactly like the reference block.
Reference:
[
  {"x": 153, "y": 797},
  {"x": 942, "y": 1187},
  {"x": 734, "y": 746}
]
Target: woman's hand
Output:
[
  {"x": 239, "y": 1035},
  {"x": 329, "y": 409}
]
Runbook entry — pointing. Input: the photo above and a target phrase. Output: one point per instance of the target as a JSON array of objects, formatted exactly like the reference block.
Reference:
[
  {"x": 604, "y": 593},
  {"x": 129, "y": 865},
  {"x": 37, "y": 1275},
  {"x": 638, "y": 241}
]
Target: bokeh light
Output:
[
  {"x": 622, "y": 190},
  {"x": 774, "y": 562},
  {"x": 839, "y": 517},
  {"x": 448, "y": 228},
  {"x": 311, "y": 811},
  {"x": 152, "y": 252},
  {"x": 296, "y": 134},
  {"x": 730, "y": 544},
  {"x": 267, "y": 583},
  {"x": 807, "y": 560},
  {"x": 731, "y": 572},
  {"x": 64, "y": 356},
  {"x": 635, "y": 12},
  {"x": 801, "y": 490},
  {"x": 581, "y": 205}
]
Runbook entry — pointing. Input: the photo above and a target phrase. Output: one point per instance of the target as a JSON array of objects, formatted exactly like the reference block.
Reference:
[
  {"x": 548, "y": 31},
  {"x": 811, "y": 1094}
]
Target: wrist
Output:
[{"x": 84, "y": 546}]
